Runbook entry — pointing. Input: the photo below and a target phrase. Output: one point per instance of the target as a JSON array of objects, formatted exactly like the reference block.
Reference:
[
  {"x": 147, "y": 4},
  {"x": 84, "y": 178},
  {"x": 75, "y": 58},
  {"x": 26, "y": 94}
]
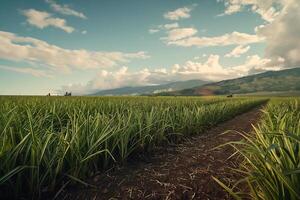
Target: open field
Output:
[
  {"x": 48, "y": 143},
  {"x": 181, "y": 171},
  {"x": 272, "y": 94}
]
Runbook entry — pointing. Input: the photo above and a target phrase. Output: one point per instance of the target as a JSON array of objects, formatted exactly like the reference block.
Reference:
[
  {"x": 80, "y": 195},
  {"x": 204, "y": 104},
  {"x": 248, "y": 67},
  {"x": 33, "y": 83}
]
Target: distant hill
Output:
[
  {"x": 271, "y": 81},
  {"x": 150, "y": 90}
]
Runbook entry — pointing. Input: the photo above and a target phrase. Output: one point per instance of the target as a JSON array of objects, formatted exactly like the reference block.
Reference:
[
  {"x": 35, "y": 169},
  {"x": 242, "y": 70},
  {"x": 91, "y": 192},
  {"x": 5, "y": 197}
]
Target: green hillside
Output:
[
  {"x": 151, "y": 89},
  {"x": 271, "y": 81}
]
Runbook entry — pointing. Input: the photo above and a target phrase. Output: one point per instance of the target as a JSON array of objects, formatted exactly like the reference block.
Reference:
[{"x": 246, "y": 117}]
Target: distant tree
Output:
[{"x": 68, "y": 94}]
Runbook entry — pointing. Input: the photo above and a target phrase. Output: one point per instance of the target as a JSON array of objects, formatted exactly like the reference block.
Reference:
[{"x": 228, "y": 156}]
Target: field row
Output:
[
  {"x": 271, "y": 154},
  {"x": 49, "y": 142}
]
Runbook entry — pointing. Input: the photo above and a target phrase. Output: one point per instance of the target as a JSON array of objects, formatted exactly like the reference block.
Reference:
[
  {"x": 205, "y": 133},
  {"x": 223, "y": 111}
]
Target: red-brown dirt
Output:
[
  {"x": 183, "y": 171},
  {"x": 204, "y": 92}
]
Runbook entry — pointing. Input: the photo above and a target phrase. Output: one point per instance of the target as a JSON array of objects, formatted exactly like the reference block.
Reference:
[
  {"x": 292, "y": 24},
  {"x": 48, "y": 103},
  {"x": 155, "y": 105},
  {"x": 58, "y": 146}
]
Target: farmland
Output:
[
  {"x": 47, "y": 143},
  {"x": 272, "y": 154}
]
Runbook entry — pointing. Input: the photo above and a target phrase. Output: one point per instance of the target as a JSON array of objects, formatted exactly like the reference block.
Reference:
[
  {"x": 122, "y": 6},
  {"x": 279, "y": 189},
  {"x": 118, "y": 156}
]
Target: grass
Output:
[
  {"x": 48, "y": 142},
  {"x": 271, "y": 154},
  {"x": 273, "y": 94}
]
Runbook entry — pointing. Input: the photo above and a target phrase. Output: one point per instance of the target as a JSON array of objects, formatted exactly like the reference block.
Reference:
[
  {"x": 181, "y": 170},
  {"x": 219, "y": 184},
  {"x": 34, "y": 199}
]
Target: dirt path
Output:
[{"x": 181, "y": 172}]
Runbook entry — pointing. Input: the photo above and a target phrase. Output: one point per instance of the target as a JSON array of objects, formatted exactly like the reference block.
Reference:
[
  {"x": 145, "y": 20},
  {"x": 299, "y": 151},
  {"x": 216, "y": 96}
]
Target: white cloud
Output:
[
  {"x": 256, "y": 64},
  {"x": 236, "y": 38},
  {"x": 84, "y": 32},
  {"x": 283, "y": 35},
  {"x": 42, "y": 20},
  {"x": 268, "y": 15},
  {"x": 28, "y": 70},
  {"x": 282, "y": 51},
  {"x": 16, "y": 48},
  {"x": 179, "y": 13},
  {"x": 171, "y": 26},
  {"x": 211, "y": 69},
  {"x": 265, "y": 8},
  {"x": 180, "y": 33},
  {"x": 185, "y": 36},
  {"x": 153, "y": 31},
  {"x": 232, "y": 9},
  {"x": 108, "y": 80},
  {"x": 238, "y": 51},
  {"x": 65, "y": 9},
  {"x": 163, "y": 27},
  {"x": 208, "y": 70}
]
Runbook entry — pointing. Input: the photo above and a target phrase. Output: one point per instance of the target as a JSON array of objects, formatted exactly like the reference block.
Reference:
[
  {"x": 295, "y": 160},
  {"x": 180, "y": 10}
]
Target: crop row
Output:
[
  {"x": 271, "y": 154},
  {"x": 49, "y": 142}
]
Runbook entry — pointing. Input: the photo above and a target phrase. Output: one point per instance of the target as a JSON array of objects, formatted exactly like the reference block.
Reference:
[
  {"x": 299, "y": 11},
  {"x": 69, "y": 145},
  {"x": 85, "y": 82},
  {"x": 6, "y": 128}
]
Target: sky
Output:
[{"x": 83, "y": 46}]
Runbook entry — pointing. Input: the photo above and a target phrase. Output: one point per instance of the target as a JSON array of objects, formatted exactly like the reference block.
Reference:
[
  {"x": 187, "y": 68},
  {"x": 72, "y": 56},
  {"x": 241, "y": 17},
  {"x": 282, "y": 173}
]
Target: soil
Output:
[{"x": 182, "y": 171}]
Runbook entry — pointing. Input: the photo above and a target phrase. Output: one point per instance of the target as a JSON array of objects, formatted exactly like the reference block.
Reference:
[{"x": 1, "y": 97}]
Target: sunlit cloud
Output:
[
  {"x": 65, "y": 9},
  {"x": 28, "y": 70},
  {"x": 234, "y": 38},
  {"x": 170, "y": 26},
  {"x": 180, "y": 13},
  {"x": 265, "y": 8},
  {"x": 211, "y": 70},
  {"x": 238, "y": 51},
  {"x": 180, "y": 33},
  {"x": 17, "y": 48},
  {"x": 41, "y": 20},
  {"x": 282, "y": 35}
]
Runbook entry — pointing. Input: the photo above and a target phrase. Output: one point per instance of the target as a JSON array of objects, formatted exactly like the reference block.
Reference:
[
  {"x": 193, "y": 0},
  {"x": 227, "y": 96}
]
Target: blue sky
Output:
[{"x": 84, "y": 46}]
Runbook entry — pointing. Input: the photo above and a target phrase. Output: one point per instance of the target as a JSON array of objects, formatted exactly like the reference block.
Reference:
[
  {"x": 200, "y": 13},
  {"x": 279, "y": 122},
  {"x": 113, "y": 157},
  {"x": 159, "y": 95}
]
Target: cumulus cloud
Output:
[
  {"x": 281, "y": 33},
  {"x": 236, "y": 38},
  {"x": 17, "y": 48},
  {"x": 211, "y": 70},
  {"x": 232, "y": 8},
  {"x": 109, "y": 80},
  {"x": 255, "y": 64},
  {"x": 27, "y": 70},
  {"x": 265, "y": 8},
  {"x": 65, "y": 9},
  {"x": 42, "y": 20},
  {"x": 238, "y": 51},
  {"x": 185, "y": 37},
  {"x": 180, "y": 33},
  {"x": 283, "y": 36},
  {"x": 179, "y": 13}
]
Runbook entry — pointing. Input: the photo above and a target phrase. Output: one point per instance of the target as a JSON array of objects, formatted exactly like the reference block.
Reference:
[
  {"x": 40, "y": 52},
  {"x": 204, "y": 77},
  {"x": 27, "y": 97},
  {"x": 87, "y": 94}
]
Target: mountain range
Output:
[
  {"x": 151, "y": 89},
  {"x": 287, "y": 80}
]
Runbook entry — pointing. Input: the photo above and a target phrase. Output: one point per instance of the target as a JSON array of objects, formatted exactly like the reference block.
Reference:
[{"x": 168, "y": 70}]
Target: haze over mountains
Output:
[
  {"x": 271, "y": 81},
  {"x": 151, "y": 89}
]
